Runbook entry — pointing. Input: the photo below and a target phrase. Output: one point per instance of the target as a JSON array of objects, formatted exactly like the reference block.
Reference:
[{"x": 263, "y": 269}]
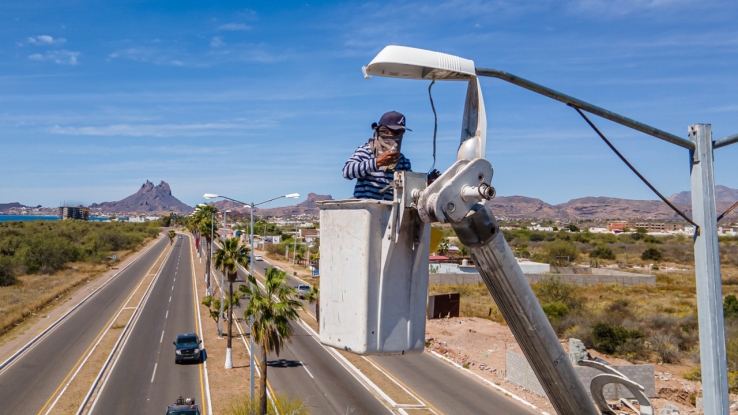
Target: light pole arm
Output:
[
  {"x": 614, "y": 117},
  {"x": 725, "y": 141}
]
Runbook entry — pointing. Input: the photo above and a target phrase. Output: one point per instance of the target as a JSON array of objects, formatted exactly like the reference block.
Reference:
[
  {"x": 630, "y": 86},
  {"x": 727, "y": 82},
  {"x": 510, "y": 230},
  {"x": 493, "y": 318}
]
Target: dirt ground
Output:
[{"x": 482, "y": 343}]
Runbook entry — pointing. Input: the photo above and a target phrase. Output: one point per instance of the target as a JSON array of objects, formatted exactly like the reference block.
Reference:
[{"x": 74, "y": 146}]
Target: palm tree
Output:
[
  {"x": 272, "y": 312},
  {"x": 227, "y": 260},
  {"x": 313, "y": 296},
  {"x": 204, "y": 223},
  {"x": 171, "y": 235}
]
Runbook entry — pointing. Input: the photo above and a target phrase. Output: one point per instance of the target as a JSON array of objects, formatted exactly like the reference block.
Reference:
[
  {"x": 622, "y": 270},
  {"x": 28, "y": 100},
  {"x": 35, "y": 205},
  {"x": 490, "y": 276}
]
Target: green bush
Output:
[
  {"x": 730, "y": 306},
  {"x": 607, "y": 338},
  {"x": 560, "y": 253},
  {"x": 651, "y": 254},
  {"x": 555, "y": 311},
  {"x": 244, "y": 405},
  {"x": 553, "y": 290},
  {"x": 7, "y": 276},
  {"x": 602, "y": 252}
]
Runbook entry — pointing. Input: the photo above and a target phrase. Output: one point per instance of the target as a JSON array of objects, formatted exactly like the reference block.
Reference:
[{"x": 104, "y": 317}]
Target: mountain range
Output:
[{"x": 159, "y": 199}]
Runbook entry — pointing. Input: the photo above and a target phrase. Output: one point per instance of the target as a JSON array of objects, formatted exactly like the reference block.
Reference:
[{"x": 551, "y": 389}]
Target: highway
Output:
[
  {"x": 304, "y": 369},
  {"x": 444, "y": 387},
  {"x": 32, "y": 381},
  {"x": 145, "y": 378}
]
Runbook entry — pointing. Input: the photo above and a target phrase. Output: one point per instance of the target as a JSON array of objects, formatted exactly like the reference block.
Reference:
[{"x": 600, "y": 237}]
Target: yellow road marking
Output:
[
  {"x": 104, "y": 329},
  {"x": 269, "y": 385}
]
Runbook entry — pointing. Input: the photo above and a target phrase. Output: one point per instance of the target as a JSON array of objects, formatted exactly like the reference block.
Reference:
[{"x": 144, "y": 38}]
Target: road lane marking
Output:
[
  {"x": 167, "y": 316},
  {"x": 77, "y": 366},
  {"x": 162, "y": 337},
  {"x": 122, "y": 341},
  {"x": 306, "y": 369},
  {"x": 170, "y": 298},
  {"x": 172, "y": 288},
  {"x": 154, "y": 374}
]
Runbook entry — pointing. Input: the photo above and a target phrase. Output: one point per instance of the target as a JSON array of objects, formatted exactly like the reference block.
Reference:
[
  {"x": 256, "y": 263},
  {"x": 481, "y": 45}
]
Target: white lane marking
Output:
[
  {"x": 170, "y": 298},
  {"x": 154, "y": 374},
  {"x": 172, "y": 288},
  {"x": 162, "y": 336},
  {"x": 306, "y": 369},
  {"x": 167, "y": 316}
]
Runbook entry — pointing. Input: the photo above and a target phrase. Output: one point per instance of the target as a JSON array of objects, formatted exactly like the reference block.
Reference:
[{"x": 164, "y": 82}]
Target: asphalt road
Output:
[
  {"x": 31, "y": 382},
  {"x": 442, "y": 385},
  {"x": 305, "y": 370},
  {"x": 145, "y": 378}
]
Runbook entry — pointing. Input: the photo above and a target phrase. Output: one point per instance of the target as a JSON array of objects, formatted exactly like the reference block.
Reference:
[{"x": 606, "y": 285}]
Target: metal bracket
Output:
[{"x": 452, "y": 195}]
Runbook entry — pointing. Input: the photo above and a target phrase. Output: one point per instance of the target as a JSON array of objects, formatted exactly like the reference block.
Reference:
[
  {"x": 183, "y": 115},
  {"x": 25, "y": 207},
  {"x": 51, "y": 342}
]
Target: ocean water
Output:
[{"x": 29, "y": 218}]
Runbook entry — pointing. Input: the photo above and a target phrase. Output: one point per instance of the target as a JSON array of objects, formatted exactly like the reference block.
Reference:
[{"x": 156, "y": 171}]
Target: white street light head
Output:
[
  {"x": 292, "y": 196},
  {"x": 412, "y": 63},
  {"x": 228, "y": 211},
  {"x": 209, "y": 196},
  {"x": 202, "y": 205}
]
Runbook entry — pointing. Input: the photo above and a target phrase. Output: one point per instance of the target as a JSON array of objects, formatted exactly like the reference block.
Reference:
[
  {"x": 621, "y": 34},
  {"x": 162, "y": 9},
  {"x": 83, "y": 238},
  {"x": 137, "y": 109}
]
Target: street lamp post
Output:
[
  {"x": 251, "y": 207},
  {"x": 220, "y": 316}
]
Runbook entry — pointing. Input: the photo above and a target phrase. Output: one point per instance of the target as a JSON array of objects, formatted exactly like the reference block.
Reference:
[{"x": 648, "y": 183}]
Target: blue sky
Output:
[{"x": 257, "y": 99}]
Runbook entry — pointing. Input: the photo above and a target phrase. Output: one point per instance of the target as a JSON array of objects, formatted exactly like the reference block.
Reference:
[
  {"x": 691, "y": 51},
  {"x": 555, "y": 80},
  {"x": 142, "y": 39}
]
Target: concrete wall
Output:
[
  {"x": 518, "y": 372},
  {"x": 579, "y": 279}
]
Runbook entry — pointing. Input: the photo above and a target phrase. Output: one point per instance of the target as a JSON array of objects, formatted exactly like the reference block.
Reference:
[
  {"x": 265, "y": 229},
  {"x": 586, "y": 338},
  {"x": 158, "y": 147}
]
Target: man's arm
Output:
[{"x": 360, "y": 164}]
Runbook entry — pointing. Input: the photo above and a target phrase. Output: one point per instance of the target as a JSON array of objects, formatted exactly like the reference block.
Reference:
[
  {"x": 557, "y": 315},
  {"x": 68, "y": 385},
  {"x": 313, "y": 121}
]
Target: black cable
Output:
[
  {"x": 435, "y": 124},
  {"x": 650, "y": 186},
  {"x": 730, "y": 209}
]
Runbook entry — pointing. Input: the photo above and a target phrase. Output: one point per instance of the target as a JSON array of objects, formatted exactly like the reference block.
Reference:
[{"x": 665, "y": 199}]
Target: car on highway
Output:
[
  {"x": 302, "y": 290},
  {"x": 180, "y": 236},
  {"x": 183, "y": 406},
  {"x": 258, "y": 258},
  {"x": 187, "y": 348}
]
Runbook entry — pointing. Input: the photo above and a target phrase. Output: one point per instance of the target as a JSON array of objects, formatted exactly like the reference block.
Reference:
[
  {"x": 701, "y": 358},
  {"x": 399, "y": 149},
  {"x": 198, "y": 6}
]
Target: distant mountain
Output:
[
  {"x": 722, "y": 194},
  {"x": 307, "y": 207},
  {"x": 148, "y": 199},
  {"x": 4, "y": 207}
]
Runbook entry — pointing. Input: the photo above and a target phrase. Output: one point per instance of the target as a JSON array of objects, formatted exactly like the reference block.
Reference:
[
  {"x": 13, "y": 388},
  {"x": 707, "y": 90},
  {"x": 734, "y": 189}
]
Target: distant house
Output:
[
  {"x": 617, "y": 226},
  {"x": 310, "y": 235}
]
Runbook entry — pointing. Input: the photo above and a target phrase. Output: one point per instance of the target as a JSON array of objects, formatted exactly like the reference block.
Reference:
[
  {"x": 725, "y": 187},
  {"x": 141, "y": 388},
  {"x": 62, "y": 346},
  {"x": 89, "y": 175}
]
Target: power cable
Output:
[
  {"x": 435, "y": 124},
  {"x": 650, "y": 186}
]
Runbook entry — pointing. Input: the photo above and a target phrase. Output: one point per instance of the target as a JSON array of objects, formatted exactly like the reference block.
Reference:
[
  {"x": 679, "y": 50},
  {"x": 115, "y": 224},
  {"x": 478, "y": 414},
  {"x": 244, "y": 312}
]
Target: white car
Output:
[
  {"x": 302, "y": 290},
  {"x": 258, "y": 258}
]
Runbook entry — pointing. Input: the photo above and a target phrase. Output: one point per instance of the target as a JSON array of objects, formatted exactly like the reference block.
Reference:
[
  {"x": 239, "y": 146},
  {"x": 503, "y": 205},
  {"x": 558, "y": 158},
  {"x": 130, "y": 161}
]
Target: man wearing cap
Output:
[{"x": 373, "y": 165}]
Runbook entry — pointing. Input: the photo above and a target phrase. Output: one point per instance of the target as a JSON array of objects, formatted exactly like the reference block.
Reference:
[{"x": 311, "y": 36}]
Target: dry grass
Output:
[{"x": 34, "y": 293}]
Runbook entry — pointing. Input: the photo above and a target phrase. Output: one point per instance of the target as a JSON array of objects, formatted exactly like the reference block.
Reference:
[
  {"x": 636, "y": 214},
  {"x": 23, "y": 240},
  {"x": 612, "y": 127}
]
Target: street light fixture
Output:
[
  {"x": 412, "y": 63},
  {"x": 251, "y": 206}
]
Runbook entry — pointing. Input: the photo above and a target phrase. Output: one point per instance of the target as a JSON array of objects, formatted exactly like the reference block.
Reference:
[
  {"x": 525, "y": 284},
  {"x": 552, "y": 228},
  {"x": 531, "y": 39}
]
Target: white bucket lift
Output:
[{"x": 374, "y": 272}]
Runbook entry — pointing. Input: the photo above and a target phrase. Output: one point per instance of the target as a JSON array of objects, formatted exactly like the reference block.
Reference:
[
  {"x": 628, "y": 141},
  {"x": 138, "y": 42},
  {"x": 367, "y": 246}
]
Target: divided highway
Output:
[
  {"x": 145, "y": 378},
  {"x": 446, "y": 388},
  {"x": 32, "y": 381}
]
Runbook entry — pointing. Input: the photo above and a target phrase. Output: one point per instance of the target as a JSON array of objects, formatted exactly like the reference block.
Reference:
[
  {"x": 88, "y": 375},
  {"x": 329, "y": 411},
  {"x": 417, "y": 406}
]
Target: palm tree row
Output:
[
  {"x": 227, "y": 259},
  {"x": 203, "y": 223}
]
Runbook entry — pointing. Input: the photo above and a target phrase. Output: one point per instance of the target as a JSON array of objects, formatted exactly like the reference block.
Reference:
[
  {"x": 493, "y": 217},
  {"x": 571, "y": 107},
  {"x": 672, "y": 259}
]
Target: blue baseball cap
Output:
[{"x": 394, "y": 121}]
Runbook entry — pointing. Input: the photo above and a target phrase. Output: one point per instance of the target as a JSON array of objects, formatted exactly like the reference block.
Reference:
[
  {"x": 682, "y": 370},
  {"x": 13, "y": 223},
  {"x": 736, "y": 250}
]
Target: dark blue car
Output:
[{"x": 187, "y": 348}]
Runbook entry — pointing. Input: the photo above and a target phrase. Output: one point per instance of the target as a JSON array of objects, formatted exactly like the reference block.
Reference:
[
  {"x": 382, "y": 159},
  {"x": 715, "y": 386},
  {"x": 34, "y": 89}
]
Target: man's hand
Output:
[{"x": 388, "y": 158}]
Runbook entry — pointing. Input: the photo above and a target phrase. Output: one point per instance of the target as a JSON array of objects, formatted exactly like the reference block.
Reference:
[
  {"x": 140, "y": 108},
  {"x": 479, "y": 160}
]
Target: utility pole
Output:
[{"x": 713, "y": 356}]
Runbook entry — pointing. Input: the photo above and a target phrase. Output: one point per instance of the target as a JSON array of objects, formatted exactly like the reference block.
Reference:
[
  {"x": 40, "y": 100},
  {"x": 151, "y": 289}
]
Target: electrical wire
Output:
[
  {"x": 435, "y": 124},
  {"x": 650, "y": 186}
]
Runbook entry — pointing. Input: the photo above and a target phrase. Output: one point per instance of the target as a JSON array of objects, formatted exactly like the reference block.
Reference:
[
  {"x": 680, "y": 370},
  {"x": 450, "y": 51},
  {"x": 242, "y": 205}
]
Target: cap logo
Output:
[{"x": 401, "y": 122}]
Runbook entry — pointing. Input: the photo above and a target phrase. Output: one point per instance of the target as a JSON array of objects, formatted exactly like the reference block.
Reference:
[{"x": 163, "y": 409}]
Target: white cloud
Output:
[
  {"x": 233, "y": 26},
  {"x": 66, "y": 57},
  {"x": 216, "y": 42},
  {"x": 159, "y": 130},
  {"x": 45, "y": 40}
]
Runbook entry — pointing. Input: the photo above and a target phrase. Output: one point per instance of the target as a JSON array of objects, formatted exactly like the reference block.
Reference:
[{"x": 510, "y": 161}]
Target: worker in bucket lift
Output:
[{"x": 373, "y": 165}]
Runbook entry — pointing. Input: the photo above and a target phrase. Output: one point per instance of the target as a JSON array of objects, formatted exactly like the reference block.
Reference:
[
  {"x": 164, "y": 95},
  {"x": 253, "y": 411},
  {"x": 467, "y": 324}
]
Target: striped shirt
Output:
[{"x": 371, "y": 179}]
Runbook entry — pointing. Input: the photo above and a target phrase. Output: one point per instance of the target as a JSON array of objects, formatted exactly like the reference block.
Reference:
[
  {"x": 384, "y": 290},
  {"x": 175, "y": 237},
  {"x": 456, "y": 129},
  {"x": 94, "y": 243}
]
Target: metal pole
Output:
[
  {"x": 522, "y": 312},
  {"x": 251, "y": 320},
  {"x": 707, "y": 269},
  {"x": 586, "y": 106},
  {"x": 294, "y": 249},
  {"x": 222, "y": 297}
]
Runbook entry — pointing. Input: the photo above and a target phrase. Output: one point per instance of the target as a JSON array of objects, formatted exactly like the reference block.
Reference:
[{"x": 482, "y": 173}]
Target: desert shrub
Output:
[
  {"x": 580, "y": 331},
  {"x": 665, "y": 346},
  {"x": 274, "y": 249},
  {"x": 602, "y": 252},
  {"x": 651, "y": 254},
  {"x": 563, "y": 236},
  {"x": 607, "y": 338},
  {"x": 730, "y": 306},
  {"x": 694, "y": 375},
  {"x": 553, "y": 290},
  {"x": 633, "y": 350},
  {"x": 560, "y": 253},
  {"x": 536, "y": 237},
  {"x": 650, "y": 239},
  {"x": 7, "y": 275},
  {"x": 555, "y": 311}
]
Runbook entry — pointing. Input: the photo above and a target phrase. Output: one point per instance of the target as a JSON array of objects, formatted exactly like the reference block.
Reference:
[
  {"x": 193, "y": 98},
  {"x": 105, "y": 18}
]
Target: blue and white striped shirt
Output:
[{"x": 371, "y": 179}]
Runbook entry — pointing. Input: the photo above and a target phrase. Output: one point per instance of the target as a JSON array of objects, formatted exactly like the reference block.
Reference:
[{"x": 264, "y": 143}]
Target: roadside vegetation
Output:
[
  {"x": 243, "y": 405},
  {"x": 656, "y": 324},
  {"x": 41, "y": 261}
]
